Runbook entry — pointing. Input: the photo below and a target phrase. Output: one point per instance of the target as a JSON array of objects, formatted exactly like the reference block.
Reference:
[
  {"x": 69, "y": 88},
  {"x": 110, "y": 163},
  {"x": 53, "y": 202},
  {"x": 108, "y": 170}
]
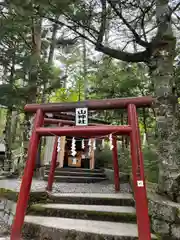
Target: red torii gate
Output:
[{"x": 136, "y": 153}]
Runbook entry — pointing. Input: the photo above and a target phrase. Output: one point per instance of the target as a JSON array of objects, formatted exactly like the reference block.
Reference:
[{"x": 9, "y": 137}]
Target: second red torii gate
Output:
[{"x": 63, "y": 122}]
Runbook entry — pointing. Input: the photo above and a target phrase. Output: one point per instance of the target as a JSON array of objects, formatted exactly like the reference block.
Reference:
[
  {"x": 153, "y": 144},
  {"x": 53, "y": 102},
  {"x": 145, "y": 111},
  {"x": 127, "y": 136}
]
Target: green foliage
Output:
[
  {"x": 104, "y": 159},
  {"x": 64, "y": 95},
  {"x": 119, "y": 80},
  {"x": 151, "y": 163}
]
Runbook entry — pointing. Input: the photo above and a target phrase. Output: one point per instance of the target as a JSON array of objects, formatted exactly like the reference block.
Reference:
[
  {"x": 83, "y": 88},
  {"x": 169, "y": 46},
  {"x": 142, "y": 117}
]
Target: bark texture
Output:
[
  {"x": 8, "y": 142},
  {"x": 167, "y": 103}
]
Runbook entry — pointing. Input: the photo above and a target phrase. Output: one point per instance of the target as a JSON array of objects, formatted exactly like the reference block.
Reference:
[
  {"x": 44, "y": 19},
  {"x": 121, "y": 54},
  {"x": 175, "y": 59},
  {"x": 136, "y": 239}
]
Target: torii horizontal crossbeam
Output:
[
  {"x": 117, "y": 103},
  {"x": 65, "y": 122},
  {"x": 84, "y": 131}
]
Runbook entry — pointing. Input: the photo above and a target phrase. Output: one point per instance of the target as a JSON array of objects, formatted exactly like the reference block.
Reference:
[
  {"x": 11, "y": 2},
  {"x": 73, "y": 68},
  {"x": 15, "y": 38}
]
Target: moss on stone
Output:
[
  {"x": 8, "y": 194},
  {"x": 41, "y": 197},
  {"x": 38, "y": 209},
  {"x": 35, "y": 197}
]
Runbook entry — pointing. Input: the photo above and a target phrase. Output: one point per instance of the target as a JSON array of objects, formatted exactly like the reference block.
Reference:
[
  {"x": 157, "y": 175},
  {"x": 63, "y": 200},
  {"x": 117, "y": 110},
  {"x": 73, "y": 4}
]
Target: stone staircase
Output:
[
  {"x": 76, "y": 175},
  {"x": 81, "y": 216}
]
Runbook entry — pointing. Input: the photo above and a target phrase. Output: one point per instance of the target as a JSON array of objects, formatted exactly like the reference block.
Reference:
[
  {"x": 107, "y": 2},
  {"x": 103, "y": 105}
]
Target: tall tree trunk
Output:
[
  {"x": 50, "y": 57},
  {"x": 44, "y": 96},
  {"x": 144, "y": 116},
  {"x": 85, "y": 70},
  {"x": 35, "y": 57},
  {"x": 167, "y": 104},
  {"x": 8, "y": 142},
  {"x": 33, "y": 74},
  {"x": 8, "y": 137},
  {"x": 15, "y": 118}
]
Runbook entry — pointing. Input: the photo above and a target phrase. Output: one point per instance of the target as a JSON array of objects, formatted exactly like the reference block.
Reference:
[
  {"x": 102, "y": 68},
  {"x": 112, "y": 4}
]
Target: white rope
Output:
[{"x": 103, "y": 144}]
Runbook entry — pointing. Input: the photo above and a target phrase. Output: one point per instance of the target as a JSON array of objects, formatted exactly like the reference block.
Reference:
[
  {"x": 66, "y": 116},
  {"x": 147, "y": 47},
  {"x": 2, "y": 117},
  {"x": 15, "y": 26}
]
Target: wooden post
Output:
[
  {"x": 49, "y": 149},
  {"x": 53, "y": 165},
  {"x": 116, "y": 165},
  {"x": 62, "y": 152},
  {"x": 92, "y": 157}
]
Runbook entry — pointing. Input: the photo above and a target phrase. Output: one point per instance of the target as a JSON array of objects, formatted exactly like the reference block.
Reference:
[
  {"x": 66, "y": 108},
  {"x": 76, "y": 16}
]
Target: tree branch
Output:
[
  {"x": 137, "y": 37},
  {"x": 82, "y": 26},
  {"x": 20, "y": 34},
  {"x": 124, "y": 56},
  {"x": 144, "y": 12},
  {"x": 118, "y": 54},
  {"x": 175, "y": 8},
  {"x": 177, "y": 16},
  {"x": 71, "y": 28}
]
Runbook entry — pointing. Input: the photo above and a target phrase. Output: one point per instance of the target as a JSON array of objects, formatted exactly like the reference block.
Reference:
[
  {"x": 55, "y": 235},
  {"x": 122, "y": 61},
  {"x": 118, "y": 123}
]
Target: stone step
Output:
[
  {"x": 90, "y": 212},
  {"x": 78, "y": 173},
  {"x": 76, "y": 179},
  {"x": 37, "y": 227},
  {"x": 113, "y": 199},
  {"x": 71, "y": 169}
]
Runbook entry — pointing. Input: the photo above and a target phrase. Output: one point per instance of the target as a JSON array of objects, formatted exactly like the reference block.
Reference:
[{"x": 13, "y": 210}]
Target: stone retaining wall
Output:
[
  {"x": 7, "y": 210},
  {"x": 165, "y": 216},
  {"x": 124, "y": 178},
  {"x": 8, "y": 199},
  {"x": 164, "y": 213}
]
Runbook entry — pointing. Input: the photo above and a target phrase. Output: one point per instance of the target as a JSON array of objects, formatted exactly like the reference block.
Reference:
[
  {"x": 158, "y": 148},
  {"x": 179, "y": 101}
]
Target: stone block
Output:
[
  {"x": 11, "y": 206},
  {"x": 175, "y": 231},
  {"x": 1, "y": 214},
  {"x": 6, "y": 218},
  {"x": 124, "y": 177},
  {"x": 1, "y": 205},
  {"x": 11, "y": 218},
  {"x": 163, "y": 209},
  {"x": 160, "y": 227}
]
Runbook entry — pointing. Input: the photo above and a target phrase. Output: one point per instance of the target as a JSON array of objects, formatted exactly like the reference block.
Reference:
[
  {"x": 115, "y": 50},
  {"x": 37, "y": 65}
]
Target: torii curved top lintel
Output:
[{"x": 104, "y": 104}]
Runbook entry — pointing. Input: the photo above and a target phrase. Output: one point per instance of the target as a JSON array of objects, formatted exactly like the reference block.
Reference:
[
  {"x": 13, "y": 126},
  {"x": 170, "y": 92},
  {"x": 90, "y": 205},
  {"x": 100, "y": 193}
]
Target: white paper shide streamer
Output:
[
  {"x": 94, "y": 144},
  {"x": 82, "y": 144},
  {"x": 89, "y": 142},
  {"x": 59, "y": 144},
  {"x": 103, "y": 144},
  {"x": 73, "y": 147},
  {"x": 89, "y": 145},
  {"x": 111, "y": 142}
]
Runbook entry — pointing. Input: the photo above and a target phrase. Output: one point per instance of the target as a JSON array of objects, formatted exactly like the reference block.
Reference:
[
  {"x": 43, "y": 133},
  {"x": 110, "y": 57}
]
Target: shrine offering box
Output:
[{"x": 74, "y": 161}]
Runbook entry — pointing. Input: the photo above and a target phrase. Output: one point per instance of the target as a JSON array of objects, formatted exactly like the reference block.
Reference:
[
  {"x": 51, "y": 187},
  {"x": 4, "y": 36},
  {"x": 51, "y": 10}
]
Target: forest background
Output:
[{"x": 71, "y": 50}]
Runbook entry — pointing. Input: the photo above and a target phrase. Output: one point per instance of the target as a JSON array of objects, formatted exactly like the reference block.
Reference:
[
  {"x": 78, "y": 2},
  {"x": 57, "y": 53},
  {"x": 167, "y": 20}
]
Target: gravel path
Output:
[{"x": 39, "y": 185}]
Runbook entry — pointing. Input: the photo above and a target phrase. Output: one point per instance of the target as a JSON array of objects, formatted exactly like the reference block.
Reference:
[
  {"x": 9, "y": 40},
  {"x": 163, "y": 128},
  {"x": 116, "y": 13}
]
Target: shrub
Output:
[{"x": 104, "y": 159}]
